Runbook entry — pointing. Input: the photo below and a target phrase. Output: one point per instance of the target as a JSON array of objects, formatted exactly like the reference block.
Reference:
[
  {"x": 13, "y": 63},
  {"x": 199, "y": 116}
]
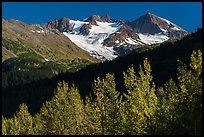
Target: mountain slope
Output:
[
  {"x": 163, "y": 61},
  {"x": 49, "y": 45},
  {"x": 106, "y": 38},
  {"x": 103, "y": 37},
  {"x": 152, "y": 24}
]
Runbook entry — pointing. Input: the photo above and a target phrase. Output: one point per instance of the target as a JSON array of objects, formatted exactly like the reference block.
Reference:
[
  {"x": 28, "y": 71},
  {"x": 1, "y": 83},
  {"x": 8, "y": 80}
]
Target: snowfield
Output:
[
  {"x": 153, "y": 39},
  {"x": 92, "y": 43}
]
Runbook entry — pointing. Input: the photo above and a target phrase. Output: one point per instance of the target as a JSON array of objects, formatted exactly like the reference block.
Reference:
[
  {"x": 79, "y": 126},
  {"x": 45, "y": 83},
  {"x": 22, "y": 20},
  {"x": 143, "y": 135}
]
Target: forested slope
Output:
[
  {"x": 163, "y": 60},
  {"x": 143, "y": 109}
]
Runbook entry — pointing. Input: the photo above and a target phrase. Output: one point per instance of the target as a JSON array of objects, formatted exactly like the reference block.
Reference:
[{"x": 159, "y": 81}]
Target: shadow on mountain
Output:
[{"x": 163, "y": 61}]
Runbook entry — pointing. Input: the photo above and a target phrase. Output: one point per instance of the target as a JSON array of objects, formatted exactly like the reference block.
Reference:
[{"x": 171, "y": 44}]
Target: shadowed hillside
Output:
[{"x": 163, "y": 60}]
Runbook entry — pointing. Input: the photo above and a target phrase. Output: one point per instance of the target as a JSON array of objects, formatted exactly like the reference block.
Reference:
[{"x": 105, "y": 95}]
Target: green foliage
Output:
[
  {"x": 141, "y": 101},
  {"x": 181, "y": 107},
  {"x": 190, "y": 96},
  {"x": 18, "y": 48},
  {"x": 106, "y": 104},
  {"x": 64, "y": 114},
  {"x": 163, "y": 63},
  {"x": 167, "y": 111},
  {"x": 20, "y": 124},
  {"x": 4, "y": 125},
  {"x": 92, "y": 118},
  {"x": 143, "y": 109}
]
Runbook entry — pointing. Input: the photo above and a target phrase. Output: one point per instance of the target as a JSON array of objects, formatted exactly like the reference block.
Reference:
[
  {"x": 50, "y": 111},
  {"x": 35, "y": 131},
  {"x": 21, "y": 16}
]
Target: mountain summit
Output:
[
  {"x": 152, "y": 24},
  {"x": 105, "y": 18},
  {"x": 103, "y": 37}
]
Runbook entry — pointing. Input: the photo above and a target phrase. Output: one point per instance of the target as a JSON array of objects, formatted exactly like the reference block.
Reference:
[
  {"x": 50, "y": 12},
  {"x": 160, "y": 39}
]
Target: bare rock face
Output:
[
  {"x": 146, "y": 24},
  {"x": 84, "y": 30},
  {"x": 92, "y": 20},
  {"x": 129, "y": 31},
  {"x": 63, "y": 25},
  {"x": 121, "y": 35},
  {"x": 152, "y": 24},
  {"x": 52, "y": 24},
  {"x": 106, "y": 18}
]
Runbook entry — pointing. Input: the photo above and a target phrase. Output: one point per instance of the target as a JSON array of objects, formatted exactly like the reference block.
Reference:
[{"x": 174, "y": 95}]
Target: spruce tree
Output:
[
  {"x": 20, "y": 124},
  {"x": 167, "y": 112},
  {"x": 64, "y": 114},
  {"x": 25, "y": 120},
  {"x": 106, "y": 105},
  {"x": 4, "y": 125},
  {"x": 142, "y": 101},
  {"x": 190, "y": 96},
  {"x": 91, "y": 117}
]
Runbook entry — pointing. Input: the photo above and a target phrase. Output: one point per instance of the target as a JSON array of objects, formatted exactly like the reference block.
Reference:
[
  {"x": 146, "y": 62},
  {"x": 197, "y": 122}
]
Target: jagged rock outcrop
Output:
[
  {"x": 84, "y": 30},
  {"x": 152, "y": 24},
  {"x": 63, "y": 25},
  {"x": 92, "y": 20},
  {"x": 121, "y": 35},
  {"x": 106, "y": 18},
  {"x": 104, "y": 37}
]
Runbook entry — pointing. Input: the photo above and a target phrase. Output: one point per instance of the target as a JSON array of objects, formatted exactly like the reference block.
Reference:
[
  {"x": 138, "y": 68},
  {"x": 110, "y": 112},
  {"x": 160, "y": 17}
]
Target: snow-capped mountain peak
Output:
[
  {"x": 105, "y": 38},
  {"x": 152, "y": 24}
]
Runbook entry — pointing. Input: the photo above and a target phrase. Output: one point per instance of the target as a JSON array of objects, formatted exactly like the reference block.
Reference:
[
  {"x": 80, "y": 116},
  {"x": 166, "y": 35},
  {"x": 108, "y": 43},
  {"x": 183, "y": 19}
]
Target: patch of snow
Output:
[
  {"x": 39, "y": 31},
  {"x": 77, "y": 25},
  {"x": 95, "y": 49},
  {"x": 163, "y": 30},
  {"x": 84, "y": 19},
  {"x": 175, "y": 28},
  {"x": 40, "y": 27},
  {"x": 46, "y": 59},
  {"x": 168, "y": 22},
  {"x": 104, "y": 27},
  {"x": 131, "y": 41},
  {"x": 152, "y": 39}
]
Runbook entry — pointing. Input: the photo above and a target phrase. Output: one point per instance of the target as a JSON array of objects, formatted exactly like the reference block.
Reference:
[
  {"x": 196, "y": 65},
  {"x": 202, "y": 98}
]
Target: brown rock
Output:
[
  {"x": 92, "y": 20},
  {"x": 84, "y": 30}
]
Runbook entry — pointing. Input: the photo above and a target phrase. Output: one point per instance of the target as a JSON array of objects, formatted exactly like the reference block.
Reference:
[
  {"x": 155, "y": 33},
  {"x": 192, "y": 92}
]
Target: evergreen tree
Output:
[
  {"x": 106, "y": 105},
  {"x": 20, "y": 124},
  {"x": 167, "y": 112},
  {"x": 64, "y": 114},
  {"x": 176, "y": 108},
  {"x": 4, "y": 125},
  {"x": 180, "y": 110},
  {"x": 92, "y": 117},
  {"x": 25, "y": 120},
  {"x": 190, "y": 96},
  {"x": 37, "y": 125},
  {"x": 141, "y": 100},
  {"x": 13, "y": 126}
]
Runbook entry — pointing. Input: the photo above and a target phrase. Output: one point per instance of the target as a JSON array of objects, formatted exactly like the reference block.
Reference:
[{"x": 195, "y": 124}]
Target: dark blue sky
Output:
[{"x": 187, "y": 15}]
